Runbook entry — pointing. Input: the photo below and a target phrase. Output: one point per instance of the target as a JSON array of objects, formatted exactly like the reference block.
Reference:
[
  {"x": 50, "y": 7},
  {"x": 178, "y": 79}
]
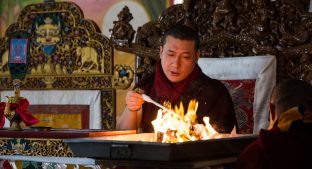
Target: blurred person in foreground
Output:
[
  {"x": 287, "y": 144},
  {"x": 178, "y": 78}
]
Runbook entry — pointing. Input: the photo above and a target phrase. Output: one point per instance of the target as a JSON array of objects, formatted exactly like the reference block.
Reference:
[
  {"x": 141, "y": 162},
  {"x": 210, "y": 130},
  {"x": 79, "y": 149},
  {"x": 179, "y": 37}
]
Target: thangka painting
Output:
[{"x": 18, "y": 48}]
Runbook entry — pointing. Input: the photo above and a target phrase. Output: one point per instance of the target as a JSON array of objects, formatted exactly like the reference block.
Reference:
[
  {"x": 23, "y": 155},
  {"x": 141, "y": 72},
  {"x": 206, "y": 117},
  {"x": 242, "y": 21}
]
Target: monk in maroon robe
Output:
[
  {"x": 288, "y": 142},
  {"x": 177, "y": 79}
]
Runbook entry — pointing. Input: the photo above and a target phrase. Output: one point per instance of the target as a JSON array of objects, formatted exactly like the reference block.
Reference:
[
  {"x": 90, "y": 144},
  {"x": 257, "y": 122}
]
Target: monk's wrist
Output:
[{"x": 133, "y": 110}]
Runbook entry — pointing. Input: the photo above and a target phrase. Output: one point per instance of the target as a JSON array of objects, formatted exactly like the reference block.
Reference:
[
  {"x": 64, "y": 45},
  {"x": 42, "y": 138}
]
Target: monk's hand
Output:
[{"x": 134, "y": 101}]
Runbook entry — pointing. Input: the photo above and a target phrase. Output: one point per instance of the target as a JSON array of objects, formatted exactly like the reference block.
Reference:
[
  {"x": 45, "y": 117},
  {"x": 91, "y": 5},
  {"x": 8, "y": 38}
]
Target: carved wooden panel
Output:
[{"x": 235, "y": 28}]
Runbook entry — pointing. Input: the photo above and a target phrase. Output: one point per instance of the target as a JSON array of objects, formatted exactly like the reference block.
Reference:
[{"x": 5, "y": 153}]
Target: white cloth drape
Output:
[{"x": 260, "y": 68}]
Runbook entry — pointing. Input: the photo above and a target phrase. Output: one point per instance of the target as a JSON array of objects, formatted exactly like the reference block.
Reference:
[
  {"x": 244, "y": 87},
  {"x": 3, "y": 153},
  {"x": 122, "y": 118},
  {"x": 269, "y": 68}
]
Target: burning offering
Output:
[
  {"x": 178, "y": 138},
  {"x": 173, "y": 125}
]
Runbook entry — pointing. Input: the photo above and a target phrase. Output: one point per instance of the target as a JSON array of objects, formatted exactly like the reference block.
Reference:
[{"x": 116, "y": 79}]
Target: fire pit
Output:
[
  {"x": 143, "y": 147},
  {"x": 177, "y": 137}
]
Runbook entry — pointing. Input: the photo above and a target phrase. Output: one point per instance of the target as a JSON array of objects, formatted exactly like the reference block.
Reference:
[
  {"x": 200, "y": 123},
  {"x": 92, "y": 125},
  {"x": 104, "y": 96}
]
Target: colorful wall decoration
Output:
[{"x": 103, "y": 13}]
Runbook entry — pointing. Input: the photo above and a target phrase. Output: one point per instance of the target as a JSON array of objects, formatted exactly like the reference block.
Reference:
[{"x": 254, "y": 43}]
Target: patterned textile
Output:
[
  {"x": 62, "y": 116},
  {"x": 242, "y": 92},
  {"x": 259, "y": 69}
]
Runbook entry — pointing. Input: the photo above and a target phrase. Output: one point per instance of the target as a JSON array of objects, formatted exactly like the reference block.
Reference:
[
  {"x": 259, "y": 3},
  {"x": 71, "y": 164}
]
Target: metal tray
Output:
[{"x": 142, "y": 147}]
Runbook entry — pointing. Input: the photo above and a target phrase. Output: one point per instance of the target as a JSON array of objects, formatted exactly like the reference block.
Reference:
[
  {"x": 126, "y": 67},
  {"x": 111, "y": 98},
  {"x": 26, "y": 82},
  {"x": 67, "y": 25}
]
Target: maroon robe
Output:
[
  {"x": 213, "y": 97},
  {"x": 275, "y": 149}
]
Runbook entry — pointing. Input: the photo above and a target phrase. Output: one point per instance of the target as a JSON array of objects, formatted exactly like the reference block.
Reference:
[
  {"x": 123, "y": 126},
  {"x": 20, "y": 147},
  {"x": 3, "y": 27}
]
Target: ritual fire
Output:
[
  {"x": 176, "y": 140},
  {"x": 174, "y": 125}
]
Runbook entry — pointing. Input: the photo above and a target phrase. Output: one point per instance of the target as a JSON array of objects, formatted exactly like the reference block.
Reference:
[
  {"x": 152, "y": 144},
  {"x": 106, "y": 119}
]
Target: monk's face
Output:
[{"x": 178, "y": 58}]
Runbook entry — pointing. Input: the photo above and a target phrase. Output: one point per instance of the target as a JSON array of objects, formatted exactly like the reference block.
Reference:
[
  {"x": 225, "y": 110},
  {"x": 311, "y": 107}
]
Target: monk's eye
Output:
[
  {"x": 170, "y": 54},
  {"x": 187, "y": 57}
]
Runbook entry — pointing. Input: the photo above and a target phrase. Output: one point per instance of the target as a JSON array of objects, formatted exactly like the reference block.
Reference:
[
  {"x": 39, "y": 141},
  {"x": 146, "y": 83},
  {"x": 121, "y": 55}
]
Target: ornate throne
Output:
[
  {"x": 67, "y": 55},
  {"x": 240, "y": 29}
]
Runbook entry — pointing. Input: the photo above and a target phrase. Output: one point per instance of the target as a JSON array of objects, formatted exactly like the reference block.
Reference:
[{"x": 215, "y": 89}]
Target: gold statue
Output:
[{"x": 10, "y": 113}]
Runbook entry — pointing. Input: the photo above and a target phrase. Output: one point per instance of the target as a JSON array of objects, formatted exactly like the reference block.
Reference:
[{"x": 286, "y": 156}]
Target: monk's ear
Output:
[
  {"x": 160, "y": 52},
  {"x": 272, "y": 111},
  {"x": 197, "y": 54},
  {"x": 271, "y": 116}
]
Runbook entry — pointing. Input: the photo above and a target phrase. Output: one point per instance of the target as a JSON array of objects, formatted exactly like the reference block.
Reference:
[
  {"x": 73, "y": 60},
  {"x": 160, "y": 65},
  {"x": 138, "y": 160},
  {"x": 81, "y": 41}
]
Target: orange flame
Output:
[{"x": 174, "y": 126}]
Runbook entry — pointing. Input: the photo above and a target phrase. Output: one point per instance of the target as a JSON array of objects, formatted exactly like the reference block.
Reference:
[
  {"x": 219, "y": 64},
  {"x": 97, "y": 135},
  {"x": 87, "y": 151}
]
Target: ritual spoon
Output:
[{"x": 148, "y": 99}]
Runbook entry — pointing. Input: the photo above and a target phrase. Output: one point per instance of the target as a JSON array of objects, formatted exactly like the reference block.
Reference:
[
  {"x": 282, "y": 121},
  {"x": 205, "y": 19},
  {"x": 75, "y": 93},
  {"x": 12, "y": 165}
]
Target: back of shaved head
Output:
[{"x": 289, "y": 93}]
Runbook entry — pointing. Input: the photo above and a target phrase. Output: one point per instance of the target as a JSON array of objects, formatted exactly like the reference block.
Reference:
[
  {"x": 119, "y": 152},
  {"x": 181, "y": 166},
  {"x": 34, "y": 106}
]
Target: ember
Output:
[{"x": 175, "y": 126}]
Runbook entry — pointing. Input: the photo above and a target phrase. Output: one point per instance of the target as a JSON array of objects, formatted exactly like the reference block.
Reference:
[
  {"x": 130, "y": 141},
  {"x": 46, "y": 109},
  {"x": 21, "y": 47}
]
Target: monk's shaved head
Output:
[{"x": 289, "y": 93}]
